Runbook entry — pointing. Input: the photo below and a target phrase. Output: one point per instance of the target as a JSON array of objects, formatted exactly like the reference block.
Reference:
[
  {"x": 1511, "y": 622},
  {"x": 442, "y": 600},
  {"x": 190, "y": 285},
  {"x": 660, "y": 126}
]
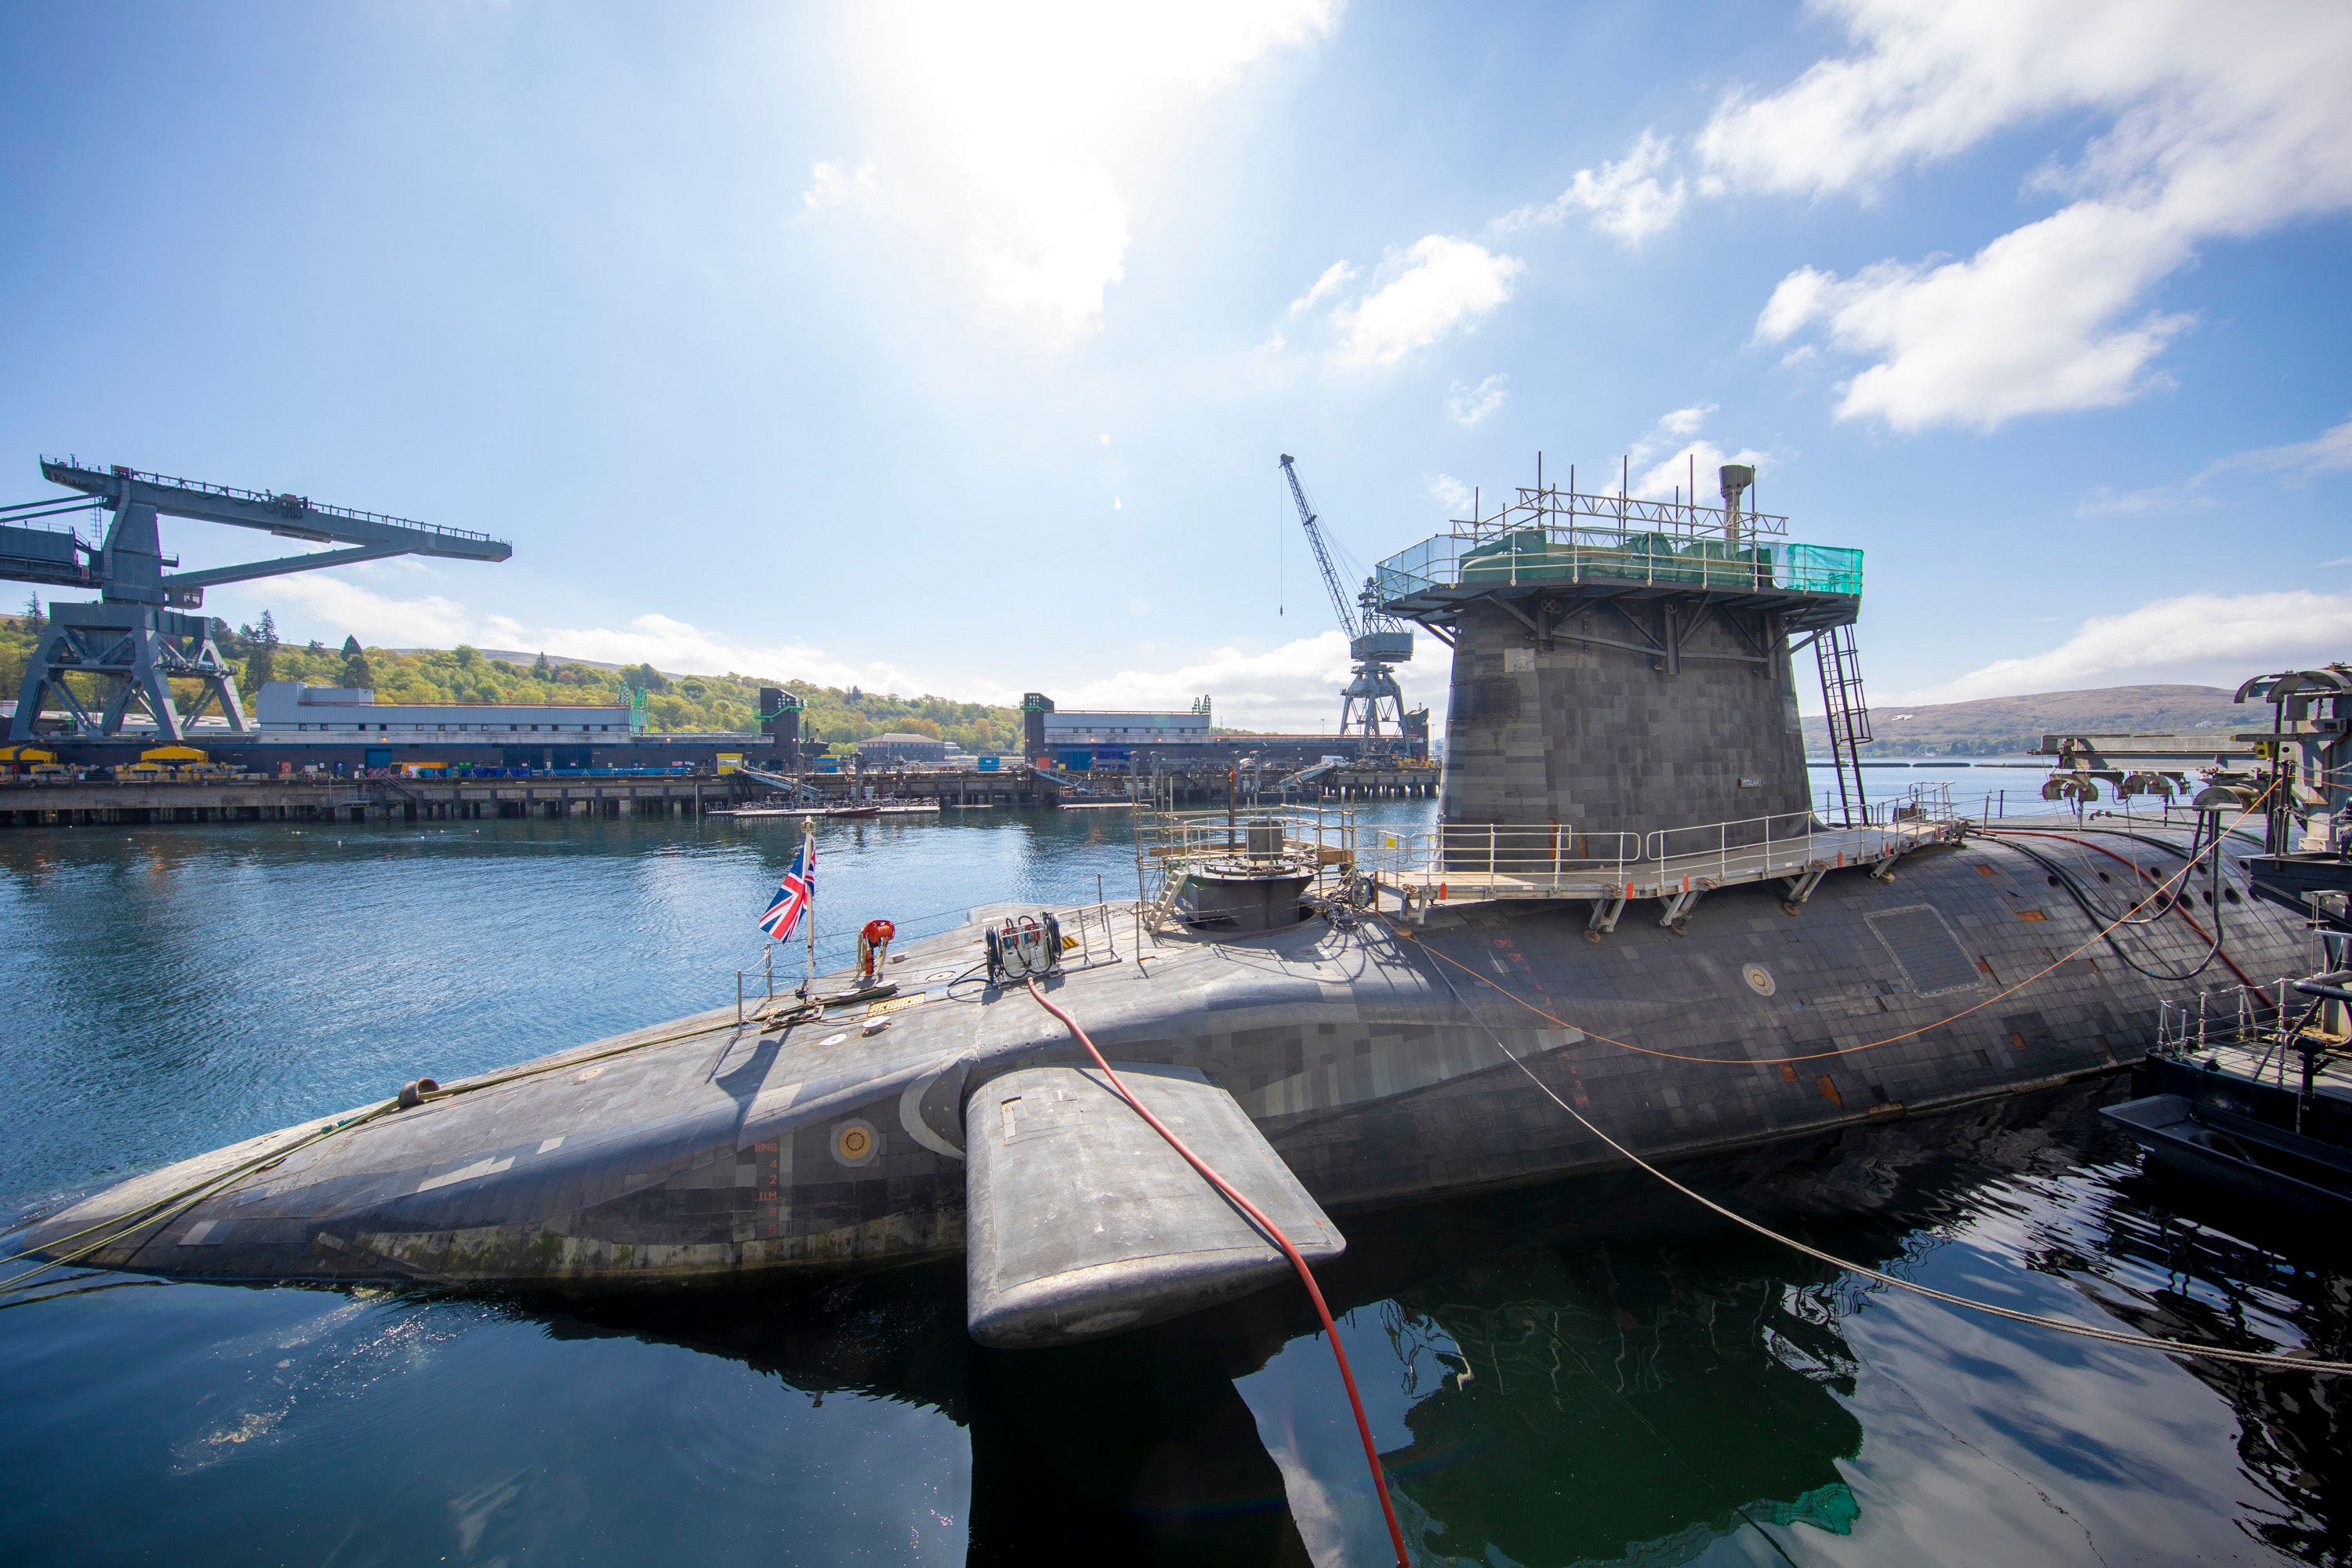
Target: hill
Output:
[
  {"x": 1990, "y": 726},
  {"x": 2007, "y": 726},
  {"x": 674, "y": 702}
]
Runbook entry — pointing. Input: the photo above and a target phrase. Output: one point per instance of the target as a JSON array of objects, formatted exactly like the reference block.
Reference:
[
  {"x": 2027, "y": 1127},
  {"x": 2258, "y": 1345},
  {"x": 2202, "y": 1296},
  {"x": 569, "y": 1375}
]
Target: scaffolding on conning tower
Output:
[{"x": 1604, "y": 742}]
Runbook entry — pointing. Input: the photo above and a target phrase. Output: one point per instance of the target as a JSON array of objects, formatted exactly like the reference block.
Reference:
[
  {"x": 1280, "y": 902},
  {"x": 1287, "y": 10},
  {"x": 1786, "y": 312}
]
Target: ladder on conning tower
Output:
[{"x": 1848, "y": 713}]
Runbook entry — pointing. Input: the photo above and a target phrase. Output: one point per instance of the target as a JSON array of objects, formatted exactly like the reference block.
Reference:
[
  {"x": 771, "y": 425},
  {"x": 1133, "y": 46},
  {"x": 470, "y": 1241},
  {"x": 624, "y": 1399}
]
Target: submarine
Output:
[{"x": 1628, "y": 906}]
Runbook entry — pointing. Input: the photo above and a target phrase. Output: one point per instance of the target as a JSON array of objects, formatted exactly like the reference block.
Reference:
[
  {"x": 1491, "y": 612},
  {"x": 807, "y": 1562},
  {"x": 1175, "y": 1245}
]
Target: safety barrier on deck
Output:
[{"x": 1469, "y": 862}]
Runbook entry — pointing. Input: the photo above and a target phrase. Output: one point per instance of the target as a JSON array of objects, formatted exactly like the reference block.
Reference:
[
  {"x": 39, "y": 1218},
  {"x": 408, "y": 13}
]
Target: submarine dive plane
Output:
[{"x": 1627, "y": 890}]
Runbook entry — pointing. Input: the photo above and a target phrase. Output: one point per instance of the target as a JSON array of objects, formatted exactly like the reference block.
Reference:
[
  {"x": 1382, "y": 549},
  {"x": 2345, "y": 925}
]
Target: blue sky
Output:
[{"x": 952, "y": 349}]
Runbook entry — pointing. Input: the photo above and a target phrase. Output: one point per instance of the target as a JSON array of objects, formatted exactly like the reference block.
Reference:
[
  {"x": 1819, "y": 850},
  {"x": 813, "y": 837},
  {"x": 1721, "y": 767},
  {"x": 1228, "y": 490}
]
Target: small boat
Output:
[
  {"x": 2240, "y": 1154},
  {"x": 850, "y": 810}
]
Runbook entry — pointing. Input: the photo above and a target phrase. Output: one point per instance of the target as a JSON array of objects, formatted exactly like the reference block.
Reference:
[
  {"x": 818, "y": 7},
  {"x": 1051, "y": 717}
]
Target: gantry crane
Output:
[
  {"x": 137, "y": 638},
  {"x": 1376, "y": 642}
]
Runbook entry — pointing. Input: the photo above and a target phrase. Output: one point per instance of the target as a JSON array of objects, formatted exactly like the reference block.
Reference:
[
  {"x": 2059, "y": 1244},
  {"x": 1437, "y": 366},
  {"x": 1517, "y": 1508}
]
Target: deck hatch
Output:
[{"x": 1924, "y": 948}]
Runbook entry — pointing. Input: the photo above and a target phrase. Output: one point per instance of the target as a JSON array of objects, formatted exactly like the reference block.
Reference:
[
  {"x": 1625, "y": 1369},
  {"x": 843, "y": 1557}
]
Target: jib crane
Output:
[
  {"x": 1376, "y": 642},
  {"x": 137, "y": 638}
]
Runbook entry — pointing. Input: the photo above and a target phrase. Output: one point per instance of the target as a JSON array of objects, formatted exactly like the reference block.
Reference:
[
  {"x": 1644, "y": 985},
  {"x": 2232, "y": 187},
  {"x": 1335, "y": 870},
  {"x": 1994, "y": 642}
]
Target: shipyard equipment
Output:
[
  {"x": 1377, "y": 642},
  {"x": 1321, "y": 1019},
  {"x": 139, "y": 636}
]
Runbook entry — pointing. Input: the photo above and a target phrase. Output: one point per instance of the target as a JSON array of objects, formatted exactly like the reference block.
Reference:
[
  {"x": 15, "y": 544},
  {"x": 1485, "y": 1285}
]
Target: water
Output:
[{"x": 1571, "y": 1376}]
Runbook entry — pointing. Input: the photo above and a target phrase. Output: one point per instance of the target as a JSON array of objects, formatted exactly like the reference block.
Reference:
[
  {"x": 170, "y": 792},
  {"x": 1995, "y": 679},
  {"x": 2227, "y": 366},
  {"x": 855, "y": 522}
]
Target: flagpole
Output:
[{"x": 808, "y": 869}]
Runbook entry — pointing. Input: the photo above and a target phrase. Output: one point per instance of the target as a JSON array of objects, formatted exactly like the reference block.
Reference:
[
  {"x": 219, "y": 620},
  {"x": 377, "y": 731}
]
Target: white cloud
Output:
[
  {"x": 2328, "y": 452},
  {"x": 1006, "y": 131},
  {"x": 1442, "y": 285},
  {"x": 1448, "y": 492},
  {"x": 1335, "y": 276},
  {"x": 1690, "y": 473},
  {"x": 2206, "y": 638},
  {"x": 337, "y": 606},
  {"x": 834, "y": 186},
  {"x": 2028, "y": 325},
  {"x": 385, "y": 620},
  {"x": 2221, "y": 121},
  {"x": 1686, "y": 421},
  {"x": 2106, "y": 500},
  {"x": 1626, "y": 198},
  {"x": 1466, "y": 405},
  {"x": 1295, "y": 686},
  {"x": 1665, "y": 462}
]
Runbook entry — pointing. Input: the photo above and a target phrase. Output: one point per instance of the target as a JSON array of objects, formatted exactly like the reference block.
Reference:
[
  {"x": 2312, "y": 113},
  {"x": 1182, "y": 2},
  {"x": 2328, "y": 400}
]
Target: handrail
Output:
[
  {"x": 1541, "y": 552},
  {"x": 270, "y": 498},
  {"x": 1524, "y": 857}
]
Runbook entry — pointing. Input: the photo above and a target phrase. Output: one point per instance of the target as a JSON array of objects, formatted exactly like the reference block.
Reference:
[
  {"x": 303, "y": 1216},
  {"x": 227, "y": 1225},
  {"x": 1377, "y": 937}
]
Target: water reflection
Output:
[
  {"x": 1571, "y": 1374},
  {"x": 1619, "y": 1403},
  {"x": 1563, "y": 1376}
]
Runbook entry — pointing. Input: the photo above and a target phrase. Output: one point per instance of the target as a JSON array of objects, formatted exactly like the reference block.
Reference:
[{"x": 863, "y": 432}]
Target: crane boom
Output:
[
  {"x": 1339, "y": 604},
  {"x": 1375, "y": 642},
  {"x": 138, "y": 638}
]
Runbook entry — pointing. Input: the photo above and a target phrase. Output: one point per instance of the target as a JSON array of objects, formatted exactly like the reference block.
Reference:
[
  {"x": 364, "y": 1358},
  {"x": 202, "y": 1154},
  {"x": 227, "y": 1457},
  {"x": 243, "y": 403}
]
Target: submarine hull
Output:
[{"x": 1372, "y": 1060}]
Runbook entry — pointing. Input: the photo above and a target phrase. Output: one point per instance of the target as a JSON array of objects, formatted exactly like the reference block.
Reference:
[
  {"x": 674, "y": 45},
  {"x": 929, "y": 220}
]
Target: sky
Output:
[{"x": 952, "y": 349}]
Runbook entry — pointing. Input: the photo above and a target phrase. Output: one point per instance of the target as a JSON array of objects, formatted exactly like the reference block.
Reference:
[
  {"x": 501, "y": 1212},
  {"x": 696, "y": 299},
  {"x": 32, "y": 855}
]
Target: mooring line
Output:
[{"x": 2269, "y": 1360}]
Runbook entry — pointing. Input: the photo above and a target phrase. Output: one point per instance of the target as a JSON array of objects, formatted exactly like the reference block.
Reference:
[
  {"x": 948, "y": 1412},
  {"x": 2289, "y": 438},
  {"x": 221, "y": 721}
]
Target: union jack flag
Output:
[{"x": 792, "y": 899}]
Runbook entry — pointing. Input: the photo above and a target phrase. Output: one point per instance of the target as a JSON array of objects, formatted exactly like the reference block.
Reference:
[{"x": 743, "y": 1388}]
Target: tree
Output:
[
  {"x": 355, "y": 664},
  {"x": 33, "y": 611},
  {"x": 261, "y": 653},
  {"x": 647, "y": 678},
  {"x": 540, "y": 669}
]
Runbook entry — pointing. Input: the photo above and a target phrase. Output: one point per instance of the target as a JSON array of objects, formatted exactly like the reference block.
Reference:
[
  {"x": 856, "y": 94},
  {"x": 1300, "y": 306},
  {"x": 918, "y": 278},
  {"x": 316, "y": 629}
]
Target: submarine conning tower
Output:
[{"x": 1622, "y": 666}]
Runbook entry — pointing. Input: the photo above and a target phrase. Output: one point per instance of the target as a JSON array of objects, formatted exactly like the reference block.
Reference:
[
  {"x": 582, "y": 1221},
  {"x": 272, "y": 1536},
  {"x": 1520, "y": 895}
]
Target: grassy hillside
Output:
[
  {"x": 721, "y": 702},
  {"x": 1997, "y": 726}
]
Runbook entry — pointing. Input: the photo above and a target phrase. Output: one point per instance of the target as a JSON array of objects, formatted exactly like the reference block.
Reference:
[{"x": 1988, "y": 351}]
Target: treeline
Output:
[{"x": 693, "y": 702}]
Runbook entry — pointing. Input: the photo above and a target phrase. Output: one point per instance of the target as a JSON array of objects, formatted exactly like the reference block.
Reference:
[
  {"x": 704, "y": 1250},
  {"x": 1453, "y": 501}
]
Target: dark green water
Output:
[{"x": 1575, "y": 1374}]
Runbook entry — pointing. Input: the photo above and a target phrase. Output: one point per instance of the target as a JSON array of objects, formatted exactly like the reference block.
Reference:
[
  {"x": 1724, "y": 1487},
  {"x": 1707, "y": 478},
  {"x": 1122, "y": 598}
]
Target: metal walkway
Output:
[{"x": 1675, "y": 866}]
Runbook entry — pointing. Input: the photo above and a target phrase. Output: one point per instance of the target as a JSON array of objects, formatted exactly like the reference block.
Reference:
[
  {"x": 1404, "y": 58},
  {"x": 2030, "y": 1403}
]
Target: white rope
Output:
[{"x": 2267, "y": 1358}]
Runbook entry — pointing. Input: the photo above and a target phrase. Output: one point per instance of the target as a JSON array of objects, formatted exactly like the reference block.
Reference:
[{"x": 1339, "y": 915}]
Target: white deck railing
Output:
[{"x": 1555, "y": 860}]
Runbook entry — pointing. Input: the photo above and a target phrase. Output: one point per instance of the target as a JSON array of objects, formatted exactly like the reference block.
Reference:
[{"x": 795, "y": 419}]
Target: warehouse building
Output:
[
  {"x": 343, "y": 712},
  {"x": 899, "y": 748}
]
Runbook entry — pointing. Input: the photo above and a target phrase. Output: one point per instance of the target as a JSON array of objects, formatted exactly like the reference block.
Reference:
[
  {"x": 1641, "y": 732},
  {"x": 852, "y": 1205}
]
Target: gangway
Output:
[
  {"x": 138, "y": 636},
  {"x": 1312, "y": 771},
  {"x": 783, "y": 783}
]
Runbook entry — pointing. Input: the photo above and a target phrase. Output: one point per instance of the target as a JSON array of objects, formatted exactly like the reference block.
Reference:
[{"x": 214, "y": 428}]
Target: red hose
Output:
[{"x": 1257, "y": 1216}]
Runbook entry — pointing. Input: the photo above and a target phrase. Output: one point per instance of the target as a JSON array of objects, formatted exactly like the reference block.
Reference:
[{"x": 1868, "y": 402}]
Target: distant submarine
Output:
[{"x": 1629, "y": 891}]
